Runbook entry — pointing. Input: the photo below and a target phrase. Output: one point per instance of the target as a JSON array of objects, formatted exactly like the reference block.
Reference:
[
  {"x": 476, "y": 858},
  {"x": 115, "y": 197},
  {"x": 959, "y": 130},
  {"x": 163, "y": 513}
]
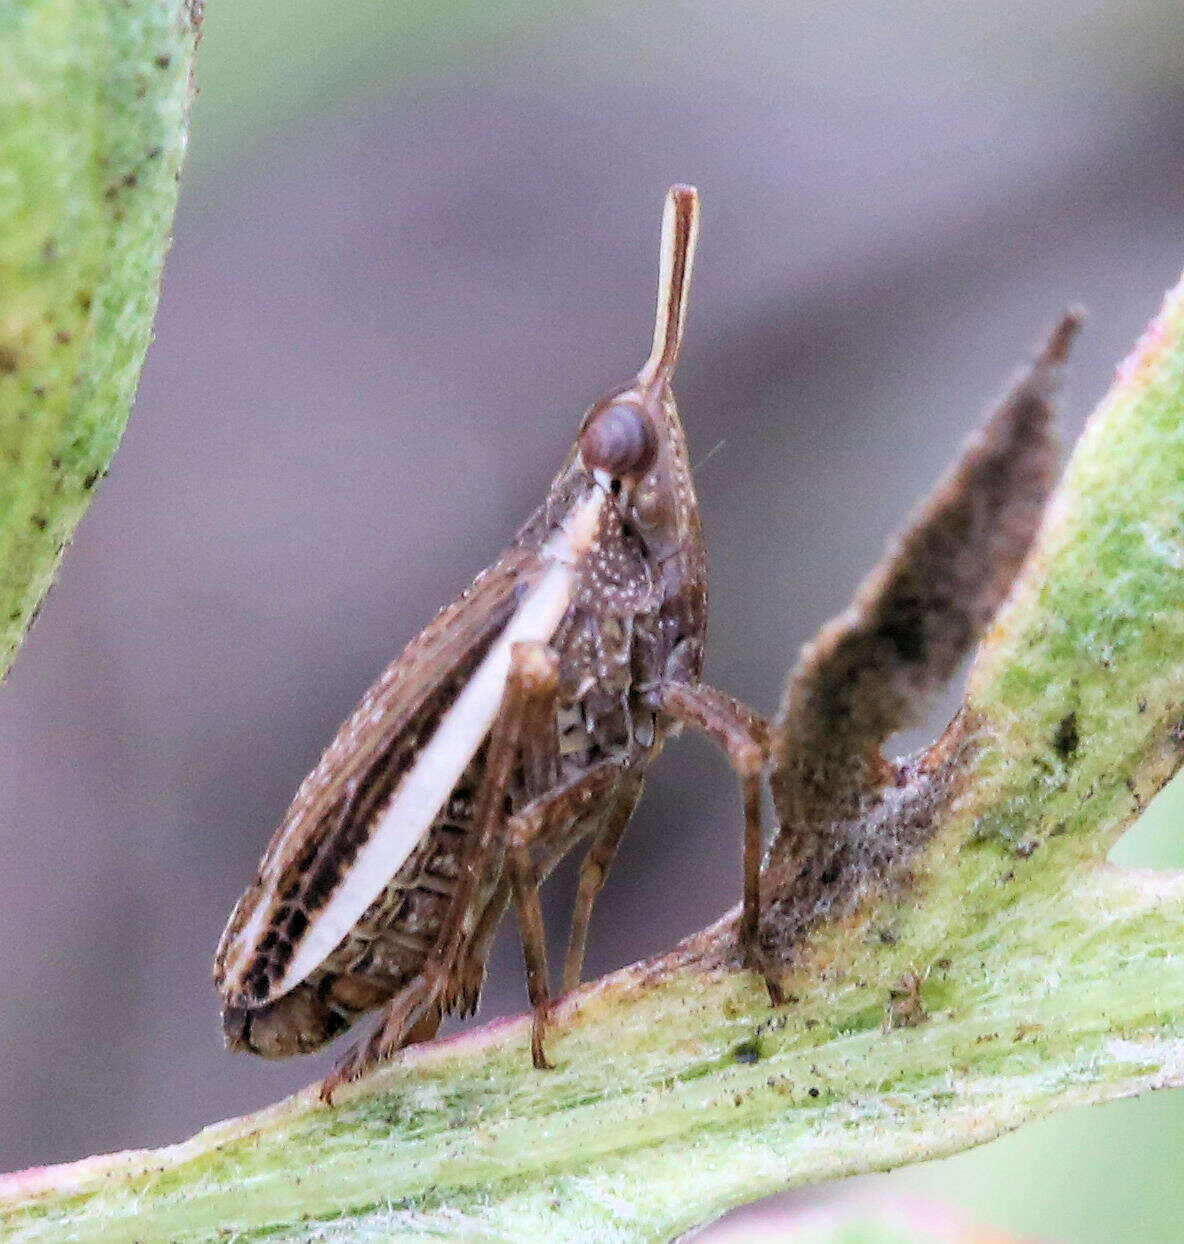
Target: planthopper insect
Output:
[{"x": 519, "y": 723}]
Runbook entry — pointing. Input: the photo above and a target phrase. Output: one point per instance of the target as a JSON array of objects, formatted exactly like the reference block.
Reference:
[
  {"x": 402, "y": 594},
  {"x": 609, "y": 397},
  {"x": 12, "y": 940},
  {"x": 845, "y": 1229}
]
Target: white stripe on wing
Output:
[{"x": 422, "y": 792}]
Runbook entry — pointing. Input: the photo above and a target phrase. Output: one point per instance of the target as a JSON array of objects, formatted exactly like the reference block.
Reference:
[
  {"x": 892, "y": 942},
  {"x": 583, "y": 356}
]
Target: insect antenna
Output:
[
  {"x": 696, "y": 467},
  {"x": 680, "y": 228}
]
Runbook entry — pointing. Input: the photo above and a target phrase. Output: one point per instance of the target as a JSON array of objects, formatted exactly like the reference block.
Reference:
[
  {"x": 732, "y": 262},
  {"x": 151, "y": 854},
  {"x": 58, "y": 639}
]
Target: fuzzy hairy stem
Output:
[
  {"x": 93, "y": 114},
  {"x": 1005, "y": 972}
]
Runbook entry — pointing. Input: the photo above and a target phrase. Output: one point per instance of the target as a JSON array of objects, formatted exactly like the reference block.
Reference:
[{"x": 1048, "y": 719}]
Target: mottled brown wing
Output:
[{"x": 334, "y": 807}]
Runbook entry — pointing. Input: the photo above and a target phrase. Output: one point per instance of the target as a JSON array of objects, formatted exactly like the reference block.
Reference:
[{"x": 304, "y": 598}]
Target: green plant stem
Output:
[{"x": 92, "y": 133}]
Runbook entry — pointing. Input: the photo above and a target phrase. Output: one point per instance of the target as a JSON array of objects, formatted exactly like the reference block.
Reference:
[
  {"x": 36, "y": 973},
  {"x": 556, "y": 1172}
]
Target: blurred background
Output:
[{"x": 414, "y": 242}]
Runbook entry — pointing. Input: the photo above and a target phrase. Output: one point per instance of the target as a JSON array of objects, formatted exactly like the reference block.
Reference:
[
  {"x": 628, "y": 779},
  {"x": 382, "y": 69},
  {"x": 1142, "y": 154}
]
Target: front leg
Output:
[{"x": 743, "y": 735}]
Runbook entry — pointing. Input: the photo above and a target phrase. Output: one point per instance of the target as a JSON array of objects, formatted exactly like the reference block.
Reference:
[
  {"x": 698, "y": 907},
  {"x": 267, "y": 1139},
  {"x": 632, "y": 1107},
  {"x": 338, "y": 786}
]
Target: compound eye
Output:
[{"x": 619, "y": 440}]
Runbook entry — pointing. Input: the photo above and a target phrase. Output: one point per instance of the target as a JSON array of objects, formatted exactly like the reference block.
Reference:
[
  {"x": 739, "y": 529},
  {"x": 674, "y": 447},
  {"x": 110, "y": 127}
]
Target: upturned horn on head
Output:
[{"x": 680, "y": 229}]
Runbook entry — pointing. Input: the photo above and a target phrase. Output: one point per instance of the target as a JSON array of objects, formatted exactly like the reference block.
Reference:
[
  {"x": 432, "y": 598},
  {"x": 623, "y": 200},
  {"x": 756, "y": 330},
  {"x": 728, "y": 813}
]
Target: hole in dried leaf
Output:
[{"x": 1155, "y": 840}]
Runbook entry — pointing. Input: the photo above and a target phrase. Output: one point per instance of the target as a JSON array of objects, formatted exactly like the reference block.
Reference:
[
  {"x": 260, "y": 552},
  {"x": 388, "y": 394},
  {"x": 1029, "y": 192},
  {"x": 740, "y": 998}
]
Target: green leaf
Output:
[{"x": 92, "y": 135}]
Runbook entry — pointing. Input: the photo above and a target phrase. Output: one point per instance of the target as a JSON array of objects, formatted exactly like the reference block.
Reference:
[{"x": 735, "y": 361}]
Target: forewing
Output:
[{"x": 333, "y": 810}]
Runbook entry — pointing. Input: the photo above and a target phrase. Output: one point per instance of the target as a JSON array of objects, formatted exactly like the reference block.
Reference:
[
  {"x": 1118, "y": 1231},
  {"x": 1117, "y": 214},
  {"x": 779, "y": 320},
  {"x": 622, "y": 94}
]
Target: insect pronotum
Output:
[{"x": 518, "y": 723}]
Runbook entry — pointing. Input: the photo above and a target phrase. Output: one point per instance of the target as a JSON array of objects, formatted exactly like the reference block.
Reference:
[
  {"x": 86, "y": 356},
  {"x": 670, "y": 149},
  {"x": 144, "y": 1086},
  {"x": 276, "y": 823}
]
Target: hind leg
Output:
[
  {"x": 544, "y": 828},
  {"x": 522, "y": 733},
  {"x": 412, "y": 1015}
]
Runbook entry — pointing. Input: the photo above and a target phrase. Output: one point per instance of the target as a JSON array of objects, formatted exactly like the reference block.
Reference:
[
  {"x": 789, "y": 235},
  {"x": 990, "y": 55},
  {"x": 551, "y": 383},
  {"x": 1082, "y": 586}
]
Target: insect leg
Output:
[
  {"x": 525, "y": 882},
  {"x": 530, "y": 688},
  {"x": 546, "y": 824},
  {"x": 743, "y": 735},
  {"x": 425, "y": 1027},
  {"x": 528, "y": 715},
  {"x": 409, "y": 1012},
  {"x": 559, "y": 810},
  {"x": 593, "y": 873}
]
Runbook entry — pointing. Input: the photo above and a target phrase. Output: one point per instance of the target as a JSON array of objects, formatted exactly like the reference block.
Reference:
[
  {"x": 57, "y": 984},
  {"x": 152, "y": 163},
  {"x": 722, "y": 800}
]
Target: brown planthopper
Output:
[{"x": 518, "y": 723}]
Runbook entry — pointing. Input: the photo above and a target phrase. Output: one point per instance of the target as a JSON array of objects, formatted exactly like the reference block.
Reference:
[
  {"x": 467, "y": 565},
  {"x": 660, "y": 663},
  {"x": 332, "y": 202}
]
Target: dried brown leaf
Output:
[{"x": 872, "y": 669}]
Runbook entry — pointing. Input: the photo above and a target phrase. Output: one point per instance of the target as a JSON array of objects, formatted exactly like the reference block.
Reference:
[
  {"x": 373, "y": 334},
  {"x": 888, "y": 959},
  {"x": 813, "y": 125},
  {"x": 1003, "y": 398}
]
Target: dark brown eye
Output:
[{"x": 618, "y": 440}]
